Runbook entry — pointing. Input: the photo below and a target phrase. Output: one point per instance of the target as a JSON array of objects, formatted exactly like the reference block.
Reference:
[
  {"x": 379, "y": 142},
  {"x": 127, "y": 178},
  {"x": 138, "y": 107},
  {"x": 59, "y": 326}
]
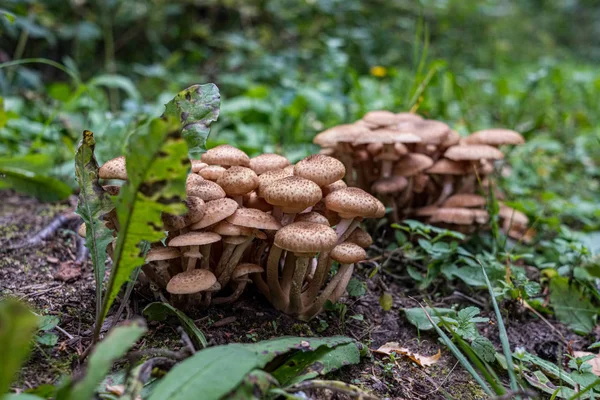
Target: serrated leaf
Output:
[
  {"x": 160, "y": 311},
  {"x": 17, "y": 326},
  {"x": 571, "y": 306},
  {"x": 484, "y": 349},
  {"x": 93, "y": 203},
  {"x": 467, "y": 313},
  {"x": 43, "y": 187}
]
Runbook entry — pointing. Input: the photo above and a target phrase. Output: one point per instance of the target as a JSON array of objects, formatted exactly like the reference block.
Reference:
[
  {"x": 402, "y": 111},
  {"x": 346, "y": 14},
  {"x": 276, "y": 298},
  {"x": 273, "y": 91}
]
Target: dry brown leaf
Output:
[
  {"x": 594, "y": 362},
  {"x": 423, "y": 361}
]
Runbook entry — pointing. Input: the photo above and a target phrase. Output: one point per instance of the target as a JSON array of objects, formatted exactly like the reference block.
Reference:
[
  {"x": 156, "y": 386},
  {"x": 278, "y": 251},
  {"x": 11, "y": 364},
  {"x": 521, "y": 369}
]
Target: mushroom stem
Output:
[
  {"x": 447, "y": 189},
  {"x": 191, "y": 264},
  {"x": 314, "y": 308},
  {"x": 227, "y": 252},
  {"x": 296, "y": 289},
  {"x": 323, "y": 266},
  {"x": 341, "y": 286},
  {"x": 287, "y": 218},
  {"x": 239, "y": 199},
  {"x": 153, "y": 276},
  {"x": 386, "y": 168},
  {"x": 261, "y": 285},
  {"x": 277, "y": 296},
  {"x": 205, "y": 250},
  {"x": 288, "y": 272},
  {"x": 277, "y": 213},
  {"x": 239, "y": 289},
  {"x": 233, "y": 261},
  {"x": 342, "y": 226},
  {"x": 349, "y": 231}
]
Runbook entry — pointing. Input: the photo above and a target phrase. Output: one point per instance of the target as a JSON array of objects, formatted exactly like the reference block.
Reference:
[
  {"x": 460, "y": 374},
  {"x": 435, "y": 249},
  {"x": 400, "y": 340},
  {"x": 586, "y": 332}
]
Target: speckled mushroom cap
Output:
[
  {"x": 193, "y": 281},
  {"x": 197, "y": 165},
  {"x": 212, "y": 172},
  {"x": 464, "y": 200},
  {"x": 393, "y": 184},
  {"x": 473, "y": 152},
  {"x": 272, "y": 176},
  {"x": 162, "y": 253},
  {"x": 332, "y": 187},
  {"x": 321, "y": 169},
  {"x": 312, "y": 217},
  {"x": 215, "y": 211},
  {"x": 412, "y": 164},
  {"x": 380, "y": 213},
  {"x": 380, "y": 118},
  {"x": 226, "y": 155},
  {"x": 253, "y": 218},
  {"x": 387, "y": 136},
  {"x": 268, "y": 162},
  {"x": 196, "y": 208},
  {"x": 457, "y": 216},
  {"x": 225, "y": 228},
  {"x": 306, "y": 238},
  {"x": 113, "y": 169},
  {"x": 237, "y": 181},
  {"x": 430, "y": 131},
  {"x": 448, "y": 167},
  {"x": 82, "y": 230},
  {"x": 360, "y": 237},
  {"x": 253, "y": 200},
  {"x": 194, "y": 239},
  {"x": 348, "y": 253},
  {"x": 246, "y": 269},
  {"x": 293, "y": 194},
  {"x": 452, "y": 139},
  {"x": 346, "y": 132},
  {"x": 352, "y": 202},
  {"x": 206, "y": 190},
  {"x": 112, "y": 190},
  {"x": 495, "y": 137},
  {"x": 289, "y": 169}
]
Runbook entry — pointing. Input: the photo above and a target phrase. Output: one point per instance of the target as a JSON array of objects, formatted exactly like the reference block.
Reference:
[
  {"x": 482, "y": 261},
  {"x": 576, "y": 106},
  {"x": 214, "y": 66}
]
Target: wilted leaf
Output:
[
  {"x": 394, "y": 347},
  {"x": 160, "y": 312}
]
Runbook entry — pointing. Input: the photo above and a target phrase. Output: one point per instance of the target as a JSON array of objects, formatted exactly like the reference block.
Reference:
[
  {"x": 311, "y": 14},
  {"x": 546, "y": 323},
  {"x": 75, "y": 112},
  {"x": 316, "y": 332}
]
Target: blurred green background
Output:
[{"x": 289, "y": 69}]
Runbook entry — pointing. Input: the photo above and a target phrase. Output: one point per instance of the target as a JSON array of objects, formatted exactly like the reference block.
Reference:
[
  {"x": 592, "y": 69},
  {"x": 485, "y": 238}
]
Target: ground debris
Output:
[{"x": 67, "y": 272}]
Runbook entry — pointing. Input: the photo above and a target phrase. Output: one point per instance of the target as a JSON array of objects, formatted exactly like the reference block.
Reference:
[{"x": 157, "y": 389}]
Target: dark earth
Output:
[{"x": 48, "y": 278}]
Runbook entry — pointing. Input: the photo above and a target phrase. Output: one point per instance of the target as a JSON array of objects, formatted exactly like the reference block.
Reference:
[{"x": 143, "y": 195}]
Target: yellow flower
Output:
[{"x": 378, "y": 71}]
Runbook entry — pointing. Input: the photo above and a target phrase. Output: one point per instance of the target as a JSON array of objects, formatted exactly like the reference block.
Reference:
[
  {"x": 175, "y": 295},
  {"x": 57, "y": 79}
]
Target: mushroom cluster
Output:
[
  {"x": 417, "y": 166},
  {"x": 259, "y": 220}
]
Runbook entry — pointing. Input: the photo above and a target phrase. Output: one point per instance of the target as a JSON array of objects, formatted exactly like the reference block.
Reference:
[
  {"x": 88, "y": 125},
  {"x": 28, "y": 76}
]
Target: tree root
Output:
[{"x": 46, "y": 232}]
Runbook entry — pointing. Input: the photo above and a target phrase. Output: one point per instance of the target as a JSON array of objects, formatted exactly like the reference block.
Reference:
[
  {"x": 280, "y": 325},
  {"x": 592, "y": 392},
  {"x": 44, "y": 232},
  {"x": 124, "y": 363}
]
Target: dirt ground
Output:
[{"x": 30, "y": 274}]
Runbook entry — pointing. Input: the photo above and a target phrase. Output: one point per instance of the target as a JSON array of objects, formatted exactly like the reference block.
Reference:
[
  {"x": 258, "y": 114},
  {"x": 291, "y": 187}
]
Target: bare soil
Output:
[{"x": 29, "y": 274}]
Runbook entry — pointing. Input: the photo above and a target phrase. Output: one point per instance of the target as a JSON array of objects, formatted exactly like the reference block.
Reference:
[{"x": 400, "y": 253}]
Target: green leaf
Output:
[
  {"x": 386, "y": 301},
  {"x": 116, "y": 82},
  {"x": 93, "y": 203},
  {"x": 47, "y": 322},
  {"x": 43, "y": 187},
  {"x": 571, "y": 306},
  {"x": 20, "y": 396},
  {"x": 356, "y": 288},
  {"x": 484, "y": 349},
  {"x": 216, "y": 371},
  {"x": 115, "y": 345},
  {"x": 418, "y": 318},
  {"x": 17, "y": 326},
  {"x": 157, "y": 167},
  {"x": 47, "y": 339},
  {"x": 255, "y": 386},
  {"x": 160, "y": 311}
]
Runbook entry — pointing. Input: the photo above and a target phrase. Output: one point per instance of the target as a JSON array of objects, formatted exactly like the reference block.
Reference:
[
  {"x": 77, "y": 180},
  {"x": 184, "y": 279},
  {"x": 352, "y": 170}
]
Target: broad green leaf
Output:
[
  {"x": 47, "y": 339},
  {"x": 160, "y": 311},
  {"x": 255, "y": 386},
  {"x": 43, "y": 187},
  {"x": 484, "y": 349},
  {"x": 157, "y": 166},
  {"x": 31, "y": 162},
  {"x": 549, "y": 368},
  {"x": 47, "y": 322},
  {"x": 115, "y": 345},
  {"x": 571, "y": 306},
  {"x": 92, "y": 205},
  {"x": 116, "y": 82},
  {"x": 216, "y": 371},
  {"x": 20, "y": 396},
  {"x": 418, "y": 318},
  {"x": 17, "y": 326}
]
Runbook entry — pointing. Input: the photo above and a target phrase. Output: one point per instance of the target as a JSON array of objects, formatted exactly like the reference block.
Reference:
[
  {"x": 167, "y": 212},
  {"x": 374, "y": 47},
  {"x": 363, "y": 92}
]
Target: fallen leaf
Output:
[
  {"x": 594, "y": 362},
  {"x": 67, "y": 272},
  {"x": 423, "y": 361}
]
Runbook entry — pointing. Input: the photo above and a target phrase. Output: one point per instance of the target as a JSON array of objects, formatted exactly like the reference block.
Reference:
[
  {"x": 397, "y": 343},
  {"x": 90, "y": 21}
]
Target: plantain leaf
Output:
[
  {"x": 93, "y": 203},
  {"x": 25, "y": 181},
  {"x": 157, "y": 166}
]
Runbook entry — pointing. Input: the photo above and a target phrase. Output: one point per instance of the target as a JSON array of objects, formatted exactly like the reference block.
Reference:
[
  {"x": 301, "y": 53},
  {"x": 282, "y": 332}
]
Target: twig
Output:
[
  {"x": 82, "y": 251},
  {"x": 49, "y": 230},
  {"x": 61, "y": 330}
]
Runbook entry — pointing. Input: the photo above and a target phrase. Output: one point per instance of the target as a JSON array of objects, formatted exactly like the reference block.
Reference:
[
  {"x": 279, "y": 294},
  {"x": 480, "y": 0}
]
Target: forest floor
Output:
[{"x": 47, "y": 277}]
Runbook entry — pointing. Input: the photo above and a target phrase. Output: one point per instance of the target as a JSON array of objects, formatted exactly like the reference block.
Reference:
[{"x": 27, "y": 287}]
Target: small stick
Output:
[{"x": 46, "y": 232}]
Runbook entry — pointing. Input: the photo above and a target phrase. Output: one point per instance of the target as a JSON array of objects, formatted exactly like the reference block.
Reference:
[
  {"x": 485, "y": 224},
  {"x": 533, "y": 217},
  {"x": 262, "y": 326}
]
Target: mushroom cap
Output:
[
  {"x": 345, "y": 132},
  {"x": 306, "y": 238},
  {"x": 426, "y": 211},
  {"x": 113, "y": 169},
  {"x": 215, "y": 287},
  {"x": 393, "y": 184},
  {"x": 112, "y": 190},
  {"x": 481, "y": 216},
  {"x": 452, "y": 139},
  {"x": 82, "y": 230},
  {"x": 321, "y": 169},
  {"x": 495, "y": 137},
  {"x": 332, "y": 187},
  {"x": 193, "y": 254},
  {"x": 253, "y": 200},
  {"x": 197, "y": 165},
  {"x": 207, "y": 190},
  {"x": 215, "y": 211},
  {"x": 380, "y": 118},
  {"x": 430, "y": 131},
  {"x": 448, "y": 167},
  {"x": 312, "y": 216},
  {"x": 374, "y": 148},
  {"x": 331, "y": 215},
  {"x": 420, "y": 183},
  {"x": 226, "y": 155},
  {"x": 464, "y": 200},
  {"x": 268, "y": 162},
  {"x": 352, "y": 202},
  {"x": 457, "y": 216},
  {"x": 194, "y": 239},
  {"x": 512, "y": 215},
  {"x": 253, "y": 218},
  {"x": 235, "y": 240},
  {"x": 195, "y": 212},
  {"x": 246, "y": 269},
  {"x": 411, "y": 164},
  {"x": 473, "y": 152},
  {"x": 360, "y": 237},
  {"x": 237, "y": 181},
  {"x": 400, "y": 149},
  {"x": 211, "y": 172},
  {"x": 193, "y": 281},
  {"x": 380, "y": 213},
  {"x": 348, "y": 253},
  {"x": 225, "y": 228},
  {"x": 272, "y": 176},
  {"x": 387, "y": 136},
  {"x": 289, "y": 169},
  {"x": 293, "y": 194}
]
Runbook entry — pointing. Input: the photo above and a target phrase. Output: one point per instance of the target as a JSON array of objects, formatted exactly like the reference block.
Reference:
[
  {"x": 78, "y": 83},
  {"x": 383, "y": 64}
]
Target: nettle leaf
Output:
[
  {"x": 160, "y": 312},
  {"x": 484, "y": 349},
  {"x": 571, "y": 306},
  {"x": 467, "y": 313},
  {"x": 92, "y": 205},
  {"x": 157, "y": 166}
]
